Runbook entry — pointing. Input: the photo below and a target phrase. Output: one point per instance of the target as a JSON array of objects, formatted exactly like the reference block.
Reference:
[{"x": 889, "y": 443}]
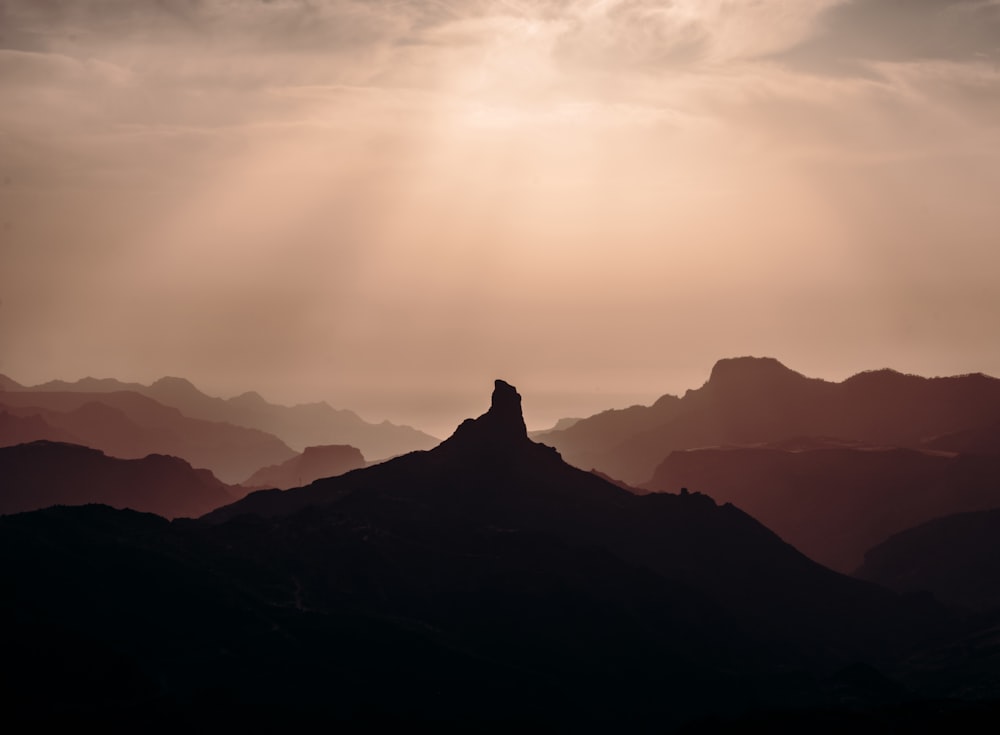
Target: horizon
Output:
[
  {"x": 537, "y": 419},
  {"x": 386, "y": 206}
]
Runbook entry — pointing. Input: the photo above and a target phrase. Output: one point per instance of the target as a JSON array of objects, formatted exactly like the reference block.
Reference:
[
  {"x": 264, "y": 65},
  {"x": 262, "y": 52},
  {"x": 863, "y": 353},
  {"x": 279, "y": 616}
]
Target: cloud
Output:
[{"x": 851, "y": 35}]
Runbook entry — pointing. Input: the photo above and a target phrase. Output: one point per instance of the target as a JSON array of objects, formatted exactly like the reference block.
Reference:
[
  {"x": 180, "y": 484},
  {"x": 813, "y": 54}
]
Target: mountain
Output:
[
  {"x": 751, "y": 400},
  {"x": 43, "y": 473},
  {"x": 489, "y": 478},
  {"x": 312, "y": 464},
  {"x": 22, "y": 427},
  {"x": 956, "y": 557},
  {"x": 129, "y": 425},
  {"x": 975, "y": 440},
  {"x": 835, "y": 502},
  {"x": 483, "y": 578},
  {"x": 299, "y": 426}
]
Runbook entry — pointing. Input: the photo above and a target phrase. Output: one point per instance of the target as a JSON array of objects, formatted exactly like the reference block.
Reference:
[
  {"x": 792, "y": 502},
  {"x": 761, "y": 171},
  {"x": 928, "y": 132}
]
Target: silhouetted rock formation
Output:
[
  {"x": 313, "y": 464},
  {"x": 129, "y": 425},
  {"x": 834, "y": 504},
  {"x": 308, "y": 424},
  {"x": 957, "y": 558},
  {"x": 42, "y": 473},
  {"x": 758, "y": 400}
]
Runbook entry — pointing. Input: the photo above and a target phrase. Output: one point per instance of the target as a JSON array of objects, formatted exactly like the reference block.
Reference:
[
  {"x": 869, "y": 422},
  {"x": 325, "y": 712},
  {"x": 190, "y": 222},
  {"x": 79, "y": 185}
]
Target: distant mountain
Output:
[
  {"x": 313, "y": 464},
  {"x": 975, "y": 440},
  {"x": 309, "y": 424},
  {"x": 833, "y": 504},
  {"x": 43, "y": 473},
  {"x": 129, "y": 425},
  {"x": 27, "y": 426},
  {"x": 751, "y": 400},
  {"x": 957, "y": 558}
]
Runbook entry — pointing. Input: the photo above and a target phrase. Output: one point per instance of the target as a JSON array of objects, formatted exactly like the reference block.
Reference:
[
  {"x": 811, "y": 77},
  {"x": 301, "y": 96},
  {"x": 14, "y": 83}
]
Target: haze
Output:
[{"x": 388, "y": 204}]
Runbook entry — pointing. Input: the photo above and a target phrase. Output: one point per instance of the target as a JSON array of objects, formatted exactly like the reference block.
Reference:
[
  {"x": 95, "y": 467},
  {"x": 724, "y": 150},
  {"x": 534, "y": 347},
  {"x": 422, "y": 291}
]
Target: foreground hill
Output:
[
  {"x": 42, "y": 474},
  {"x": 956, "y": 557},
  {"x": 758, "y": 400},
  {"x": 308, "y": 424},
  {"x": 835, "y": 503},
  {"x": 314, "y": 463},
  {"x": 129, "y": 425}
]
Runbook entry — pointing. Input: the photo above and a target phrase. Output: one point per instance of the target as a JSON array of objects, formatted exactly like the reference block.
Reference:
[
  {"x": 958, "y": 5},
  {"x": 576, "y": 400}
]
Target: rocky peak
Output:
[
  {"x": 756, "y": 372},
  {"x": 502, "y": 425}
]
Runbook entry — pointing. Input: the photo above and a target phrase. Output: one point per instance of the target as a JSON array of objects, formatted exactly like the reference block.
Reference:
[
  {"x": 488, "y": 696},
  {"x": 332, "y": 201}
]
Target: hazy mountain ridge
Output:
[
  {"x": 42, "y": 474},
  {"x": 312, "y": 464},
  {"x": 759, "y": 400},
  {"x": 130, "y": 425},
  {"x": 302, "y": 425},
  {"x": 834, "y": 503}
]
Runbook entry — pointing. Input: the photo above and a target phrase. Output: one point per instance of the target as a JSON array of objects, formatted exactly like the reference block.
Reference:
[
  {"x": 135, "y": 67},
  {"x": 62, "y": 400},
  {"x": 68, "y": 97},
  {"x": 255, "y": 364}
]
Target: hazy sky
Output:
[{"x": 388, "y": 204}]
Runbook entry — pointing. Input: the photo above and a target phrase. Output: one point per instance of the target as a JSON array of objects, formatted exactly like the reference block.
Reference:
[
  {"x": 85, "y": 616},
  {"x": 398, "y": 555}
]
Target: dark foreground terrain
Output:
[{"x": 484, "y": 579}]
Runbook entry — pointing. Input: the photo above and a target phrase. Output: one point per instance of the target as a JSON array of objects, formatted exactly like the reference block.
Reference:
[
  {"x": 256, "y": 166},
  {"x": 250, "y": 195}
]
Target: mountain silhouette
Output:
[
  {"x": 312, "y": 464},
  {"x": 490, "y": 480},
  {"x": 751, "y": 400},
  {"x": 309, "y": 424},
  {"x": 130, "y": 426},
  {"x": 482, "y": 578},
  {"x": 835, "y": 502},
  {"x": 956, "y": 557},
  {"x": 43, "y": 473}
]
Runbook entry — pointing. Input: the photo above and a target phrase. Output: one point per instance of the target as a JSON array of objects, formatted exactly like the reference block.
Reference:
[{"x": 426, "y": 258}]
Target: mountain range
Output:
[
  {"x": 751, "y": 400},
  {"x": 484, "y": 577},
  {"x": 234, "y": 438},
  {"x": 299, "y": 426}
]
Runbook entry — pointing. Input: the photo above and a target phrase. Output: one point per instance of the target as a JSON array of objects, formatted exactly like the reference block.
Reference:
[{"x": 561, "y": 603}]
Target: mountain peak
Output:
[
  {"x": 743, "y": 370},
  {"x": 505, "y": 407},
  {"x": 503, "y": 424}
]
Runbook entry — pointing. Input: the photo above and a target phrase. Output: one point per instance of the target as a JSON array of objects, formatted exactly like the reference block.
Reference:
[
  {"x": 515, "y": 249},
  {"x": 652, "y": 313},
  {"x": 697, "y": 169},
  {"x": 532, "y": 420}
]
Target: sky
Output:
[{"x": 388, "y": 204}]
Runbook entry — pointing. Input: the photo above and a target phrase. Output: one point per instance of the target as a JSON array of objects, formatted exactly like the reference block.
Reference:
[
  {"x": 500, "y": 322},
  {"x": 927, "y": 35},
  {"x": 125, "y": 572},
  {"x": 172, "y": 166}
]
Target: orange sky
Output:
[{"x": 388, "y": 204}]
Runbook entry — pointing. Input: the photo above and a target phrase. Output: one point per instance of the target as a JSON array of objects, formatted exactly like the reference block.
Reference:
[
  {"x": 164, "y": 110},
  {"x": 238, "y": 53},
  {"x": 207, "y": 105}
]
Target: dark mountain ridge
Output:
[
  {"x": 489, "y": 476},
  {"x": 43, "y": 473}
]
